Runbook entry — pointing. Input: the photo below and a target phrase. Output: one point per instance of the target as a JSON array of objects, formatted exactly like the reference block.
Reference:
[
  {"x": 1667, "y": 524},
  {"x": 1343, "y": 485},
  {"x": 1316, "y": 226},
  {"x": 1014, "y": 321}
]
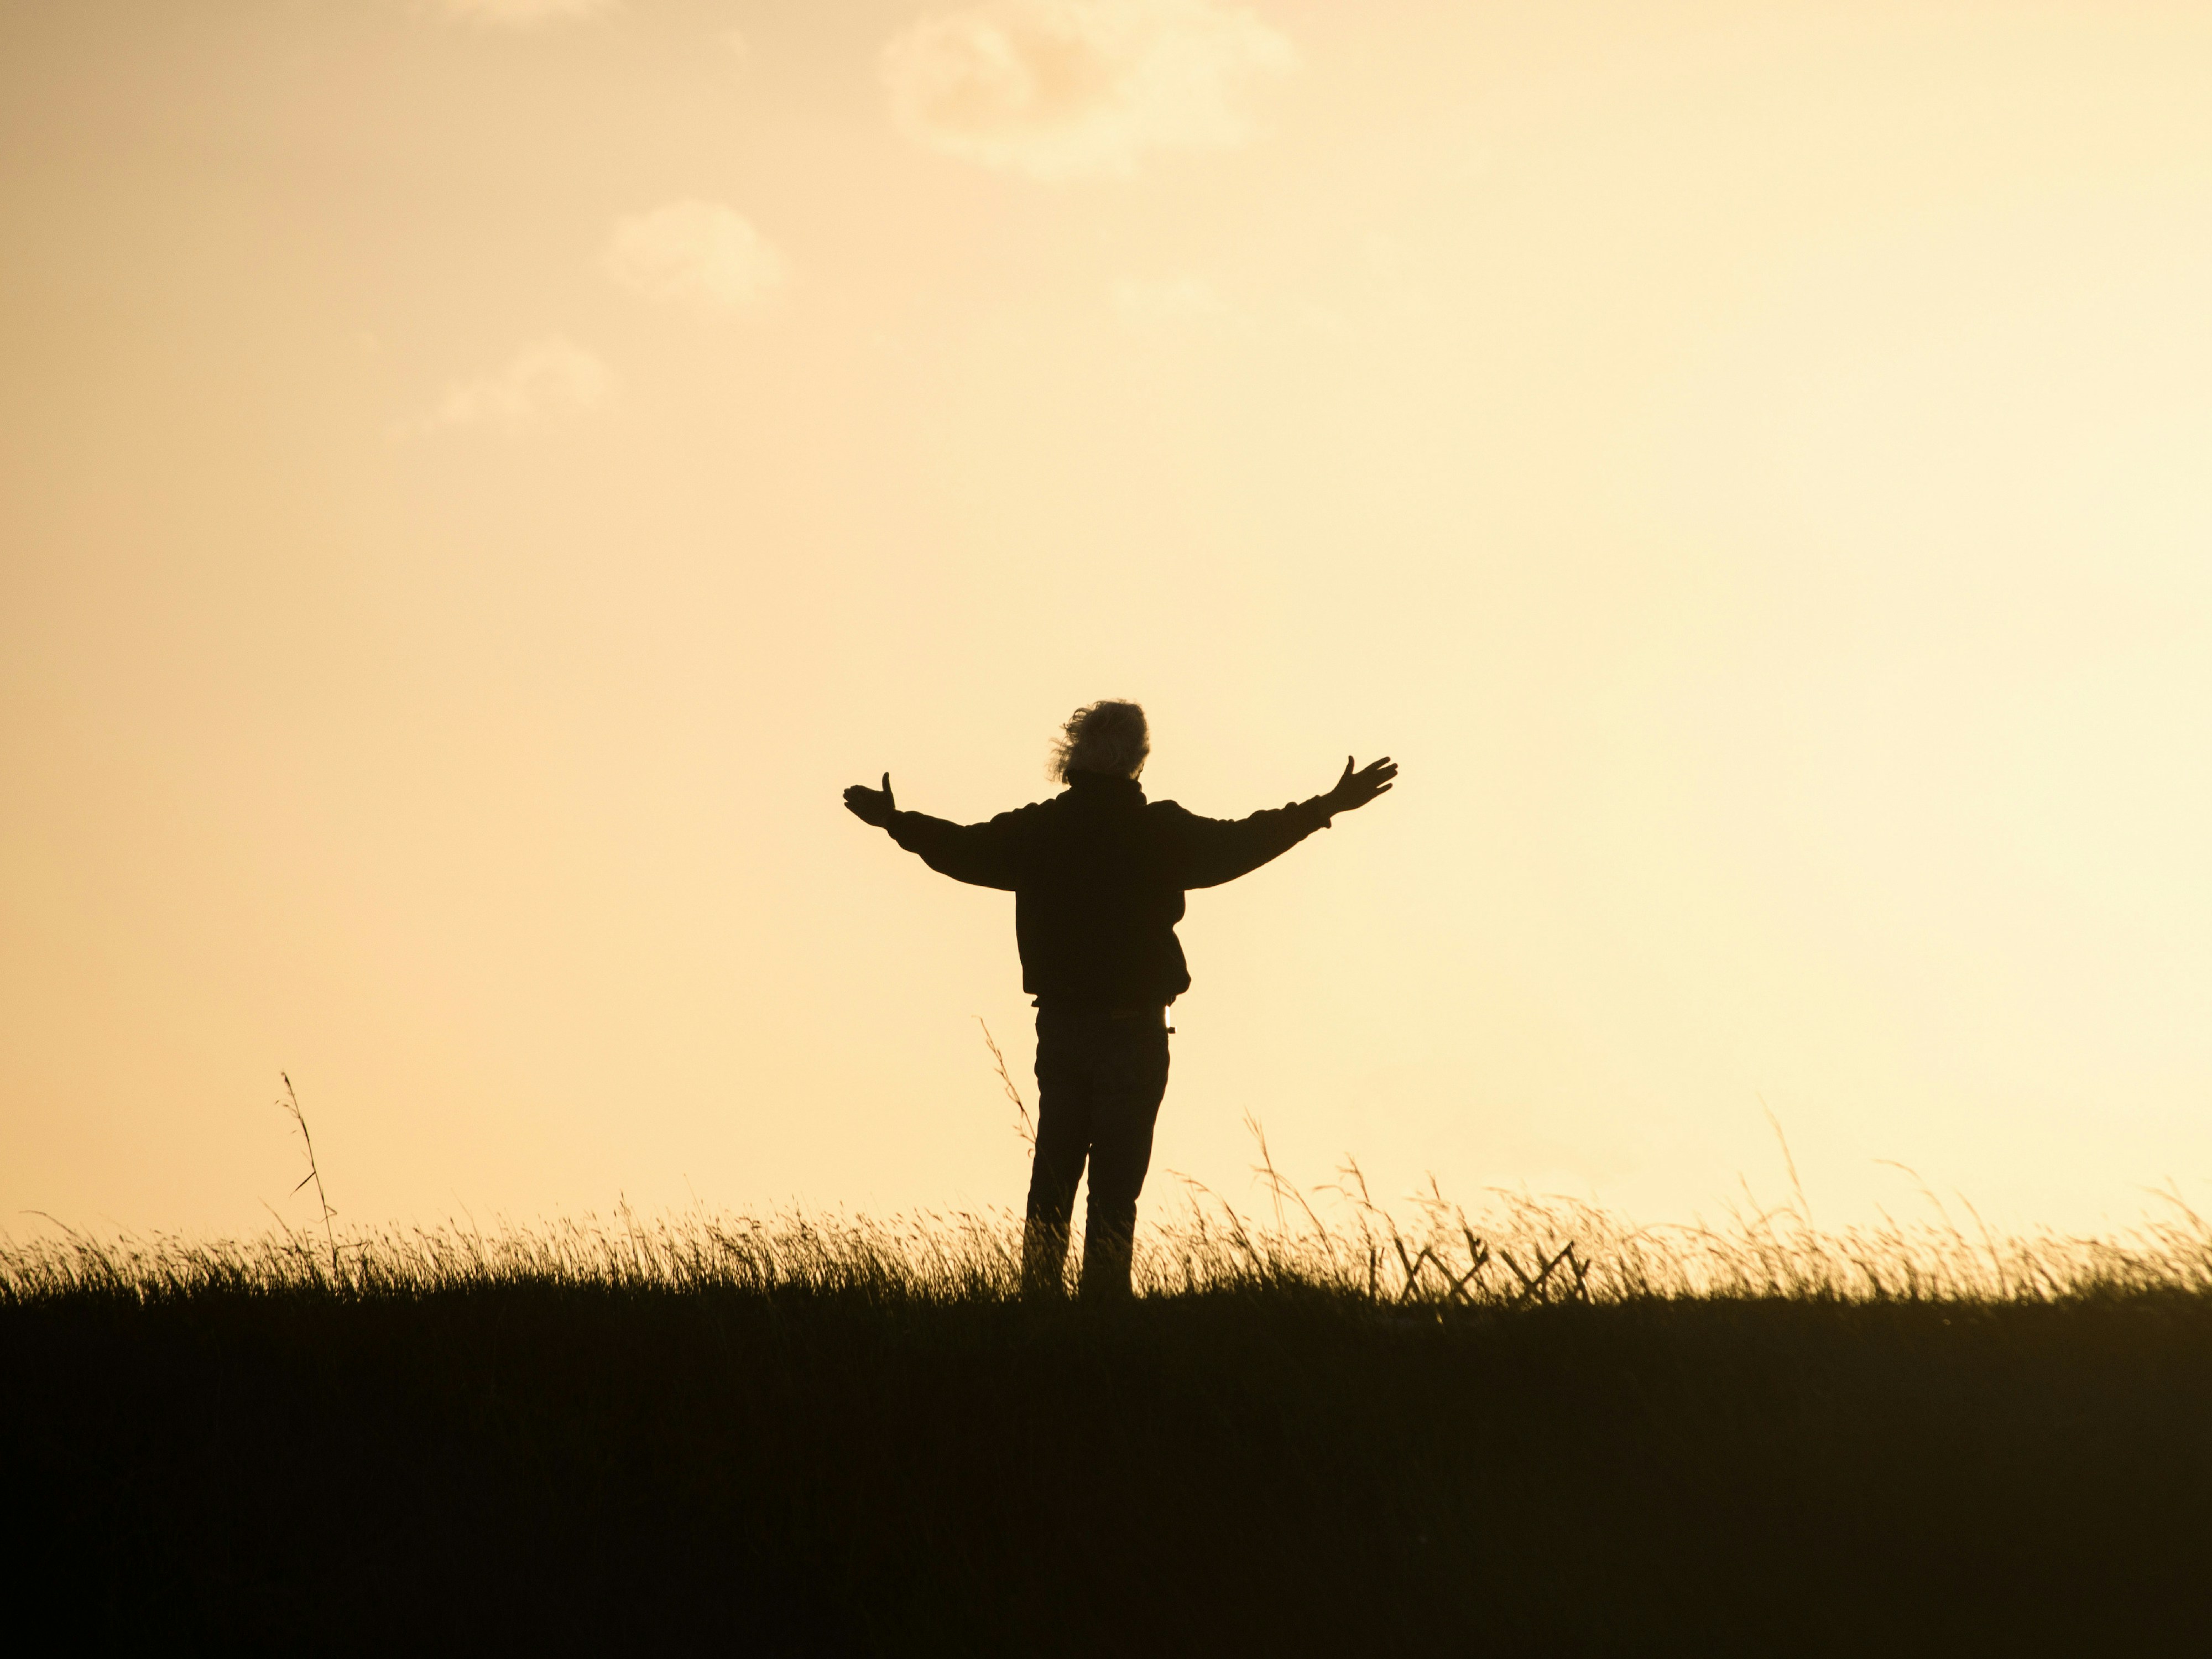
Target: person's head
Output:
[{"x": 1110, "y": 738}]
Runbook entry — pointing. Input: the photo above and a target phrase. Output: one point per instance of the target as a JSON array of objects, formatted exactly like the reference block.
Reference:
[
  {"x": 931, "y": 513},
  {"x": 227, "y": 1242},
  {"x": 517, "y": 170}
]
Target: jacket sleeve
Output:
[
  {"x": 981, "y": 854},
  {"x": 1211, "y": 851}
]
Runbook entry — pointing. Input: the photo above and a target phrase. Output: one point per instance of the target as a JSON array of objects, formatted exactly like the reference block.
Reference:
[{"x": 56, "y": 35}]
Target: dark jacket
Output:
[{"x": 1099, "y": 875}]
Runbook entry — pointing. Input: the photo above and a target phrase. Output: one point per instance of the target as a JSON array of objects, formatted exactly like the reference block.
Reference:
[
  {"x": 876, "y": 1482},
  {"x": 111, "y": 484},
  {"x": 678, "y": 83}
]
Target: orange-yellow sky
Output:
[{"x": 479, "y": 478}]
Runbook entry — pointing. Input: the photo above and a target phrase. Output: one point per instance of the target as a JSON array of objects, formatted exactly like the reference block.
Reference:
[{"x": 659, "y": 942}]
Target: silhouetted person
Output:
[{"x": 1098, "y": 874}]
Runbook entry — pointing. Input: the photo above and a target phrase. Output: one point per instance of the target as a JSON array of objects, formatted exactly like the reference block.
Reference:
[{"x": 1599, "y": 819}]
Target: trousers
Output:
[{"x": 1101, "y": 1077}]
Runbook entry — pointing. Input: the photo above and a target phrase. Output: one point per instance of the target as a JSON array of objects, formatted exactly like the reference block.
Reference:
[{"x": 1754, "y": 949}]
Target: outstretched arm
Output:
[
  {"x": 1217, "y": 850},
  {"x": 981, "y": 854}
]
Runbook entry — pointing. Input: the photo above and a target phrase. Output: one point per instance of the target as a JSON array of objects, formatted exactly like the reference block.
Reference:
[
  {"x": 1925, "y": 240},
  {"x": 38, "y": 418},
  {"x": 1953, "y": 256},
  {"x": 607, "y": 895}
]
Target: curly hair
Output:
[{"x": 1110, "y": 737}]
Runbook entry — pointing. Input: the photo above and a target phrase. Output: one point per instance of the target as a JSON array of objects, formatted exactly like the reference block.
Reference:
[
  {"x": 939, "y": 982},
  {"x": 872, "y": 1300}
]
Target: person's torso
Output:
[{"x": 1098, "y": 896}]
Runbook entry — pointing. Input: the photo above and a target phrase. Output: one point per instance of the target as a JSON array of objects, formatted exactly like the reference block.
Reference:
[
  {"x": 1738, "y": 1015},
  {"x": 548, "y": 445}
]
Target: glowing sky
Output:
[{"x": 477, "y": 479}]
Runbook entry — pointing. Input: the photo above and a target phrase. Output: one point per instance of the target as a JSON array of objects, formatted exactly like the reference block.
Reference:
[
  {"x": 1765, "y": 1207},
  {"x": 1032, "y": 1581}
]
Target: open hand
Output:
[
  {"x": 873, "y": 806},
  {"x": 1355, "y": 789}
]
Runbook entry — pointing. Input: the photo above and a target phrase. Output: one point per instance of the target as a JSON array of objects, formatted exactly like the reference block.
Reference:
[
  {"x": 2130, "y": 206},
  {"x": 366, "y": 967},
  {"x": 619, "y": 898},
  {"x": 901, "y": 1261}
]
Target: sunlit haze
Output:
[{"x": 478, "y": 478}]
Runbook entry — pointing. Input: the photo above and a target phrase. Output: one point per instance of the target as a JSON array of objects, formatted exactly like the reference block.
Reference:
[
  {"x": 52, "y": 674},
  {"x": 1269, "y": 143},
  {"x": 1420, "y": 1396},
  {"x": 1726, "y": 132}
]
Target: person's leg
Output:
[
  {"x": 1130, "y": 1079},
  {"x": 1063, "y": 1140}
]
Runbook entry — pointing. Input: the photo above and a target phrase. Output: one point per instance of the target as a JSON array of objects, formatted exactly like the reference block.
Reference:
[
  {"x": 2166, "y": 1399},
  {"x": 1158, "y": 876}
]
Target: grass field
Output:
[{"x": 792, "y": 1435}]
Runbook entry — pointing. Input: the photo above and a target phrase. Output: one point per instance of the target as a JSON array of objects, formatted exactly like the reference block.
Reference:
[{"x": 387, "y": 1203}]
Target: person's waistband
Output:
[{"x": 1149, "y": 1014}]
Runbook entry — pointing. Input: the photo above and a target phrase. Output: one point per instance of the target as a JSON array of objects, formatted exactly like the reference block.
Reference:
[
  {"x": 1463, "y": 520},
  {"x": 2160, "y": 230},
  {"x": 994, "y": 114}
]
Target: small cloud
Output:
[
  {"x": 549, "y": 379},
  {"x": 699, "y": 254},
  {"x": 1178, "y": 299},
  {"x": 1081, "y": 88},
  {"x": 523, "y": 13}
]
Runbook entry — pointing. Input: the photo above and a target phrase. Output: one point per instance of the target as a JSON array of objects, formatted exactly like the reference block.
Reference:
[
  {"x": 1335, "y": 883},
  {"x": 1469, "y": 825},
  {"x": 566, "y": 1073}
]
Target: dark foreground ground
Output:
[{"x": 546, "y": 1467}]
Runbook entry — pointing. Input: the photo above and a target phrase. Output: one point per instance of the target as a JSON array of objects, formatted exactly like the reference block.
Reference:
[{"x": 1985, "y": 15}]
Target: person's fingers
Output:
[{"x": 887, "y": 783}]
